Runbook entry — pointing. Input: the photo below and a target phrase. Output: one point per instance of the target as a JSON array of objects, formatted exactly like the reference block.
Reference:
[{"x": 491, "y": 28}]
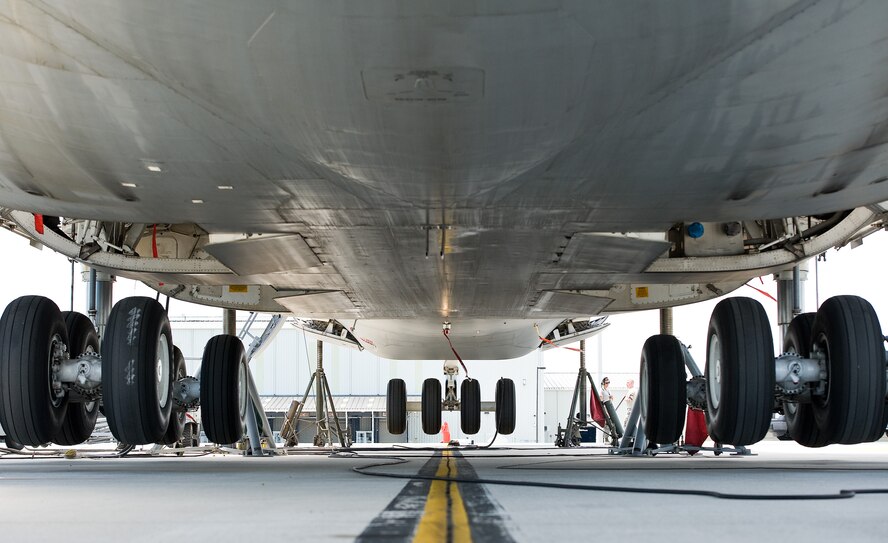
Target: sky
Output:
[{"x": 616, "y": 352}]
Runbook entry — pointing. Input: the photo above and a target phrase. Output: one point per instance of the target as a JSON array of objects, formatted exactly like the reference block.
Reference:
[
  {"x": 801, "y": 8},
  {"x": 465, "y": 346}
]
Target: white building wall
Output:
[{"x": 285, "y": 367}]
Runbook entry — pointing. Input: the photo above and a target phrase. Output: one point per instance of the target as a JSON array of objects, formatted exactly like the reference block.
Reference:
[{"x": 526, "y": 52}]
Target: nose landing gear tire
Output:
[
  {"x": 80, "y": 418},
  {"x": 505, "y": 406},
  {"x": 223, "y": 389},
  {"x": 137, "y": 369},
  {"x": 663, "y": 394},
  {"x": 32, "y": 334},
  {"x": 431, "y": 406},
  {"x": 739, "y": 372},
  {"x": 470, "y": 406},
  {"x": 396, "y": 406}
]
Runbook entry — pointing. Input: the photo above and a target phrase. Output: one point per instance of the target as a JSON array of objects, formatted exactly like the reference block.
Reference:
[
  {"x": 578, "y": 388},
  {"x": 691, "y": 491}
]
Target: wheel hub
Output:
[
  {"x": 242, "y": 389},
  {"x": 714, "y": 374},
  {"x": 57, "y": 353},
  {"x": 644, "y": 389},
  {"x": 162, "y": 370}
]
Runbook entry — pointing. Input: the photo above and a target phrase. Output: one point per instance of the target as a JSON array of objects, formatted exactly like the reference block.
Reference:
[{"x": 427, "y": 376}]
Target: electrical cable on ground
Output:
[{"x": 840, "y": 495}]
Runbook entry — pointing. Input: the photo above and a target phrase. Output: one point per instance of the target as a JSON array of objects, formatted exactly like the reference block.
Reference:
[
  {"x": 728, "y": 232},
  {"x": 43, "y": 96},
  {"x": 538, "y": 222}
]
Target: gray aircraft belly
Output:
[{"x": 490, "y": 131}]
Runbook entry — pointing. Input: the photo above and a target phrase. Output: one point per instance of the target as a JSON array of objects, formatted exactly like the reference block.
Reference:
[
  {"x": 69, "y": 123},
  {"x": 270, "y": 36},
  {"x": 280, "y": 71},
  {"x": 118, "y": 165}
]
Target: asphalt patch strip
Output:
[{"x": 411, "y": 514}]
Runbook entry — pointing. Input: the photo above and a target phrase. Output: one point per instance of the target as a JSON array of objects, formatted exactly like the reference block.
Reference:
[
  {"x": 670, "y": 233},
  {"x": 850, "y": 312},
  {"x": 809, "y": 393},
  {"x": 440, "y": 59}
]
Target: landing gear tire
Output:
[
  {"x": 191, "y": 436},
  {"x": 800, "y": 423},
  {"x": 431, "y": 406},
  {"x": 176, "y": 427},
  {"x": 80, "y": 417},
  {"x": 396, "y": 406},
  {"x": 505, "y": 406},
  {"x": 739, "y": 372},
  {"x": 663, "y": 394},
  {"x": 470, "y": 406},
  {"x": 137, "y": 370},
  {"x": 847, "y": 332},
  {"x": 223, "y": 389},
  {"x": 33, "y": 337}
]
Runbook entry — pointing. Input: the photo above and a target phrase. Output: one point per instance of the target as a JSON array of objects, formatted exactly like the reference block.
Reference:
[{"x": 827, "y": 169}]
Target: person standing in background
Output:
[
  {"x": 606, "y": 395},
  {"x": 631, "y": 392}
]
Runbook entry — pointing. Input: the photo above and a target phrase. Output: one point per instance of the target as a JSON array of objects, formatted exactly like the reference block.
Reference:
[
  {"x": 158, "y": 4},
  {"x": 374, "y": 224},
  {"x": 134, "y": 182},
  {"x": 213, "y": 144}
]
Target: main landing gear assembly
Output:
[
  {"x": 469, "y": 405},
  {"x": 830, "y": 381},
  {"x": 54, "y": 377}
]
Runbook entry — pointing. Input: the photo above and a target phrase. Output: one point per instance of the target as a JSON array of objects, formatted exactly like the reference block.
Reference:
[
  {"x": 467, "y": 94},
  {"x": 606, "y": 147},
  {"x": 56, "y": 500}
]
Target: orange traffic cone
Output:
[{"x": 445, "y": 431}]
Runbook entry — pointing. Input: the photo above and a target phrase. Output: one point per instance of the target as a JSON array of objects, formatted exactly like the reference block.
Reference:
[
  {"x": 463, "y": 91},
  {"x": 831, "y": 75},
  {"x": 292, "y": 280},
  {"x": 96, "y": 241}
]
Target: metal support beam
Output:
[
  {"x": 229, "y": 322},
  {"x": 255, "y": 413},
  {"x": 790, "y": 296},
  {"x": 100, "y": 286},
  {"x": 261, "y": 416},
  {"x": 253, "y": 430},
  {"x": 104, "y": 301},
  {"x": 90, "y": 279},
  {"x": 666, "y": 321},
  {"x": 690, "y": 363},
  {"x": 633, "y": 428}
]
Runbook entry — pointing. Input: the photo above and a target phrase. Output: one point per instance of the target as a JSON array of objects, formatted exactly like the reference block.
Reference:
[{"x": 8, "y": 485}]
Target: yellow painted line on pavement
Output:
[{"x": 444, "y": 517}]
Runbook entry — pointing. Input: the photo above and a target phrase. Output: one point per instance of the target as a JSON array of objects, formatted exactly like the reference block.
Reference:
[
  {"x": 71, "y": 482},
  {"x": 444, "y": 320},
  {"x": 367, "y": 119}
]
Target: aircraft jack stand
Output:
[
  {"x": 569, "y": 436},
  {"x": 323, "y": 397}
]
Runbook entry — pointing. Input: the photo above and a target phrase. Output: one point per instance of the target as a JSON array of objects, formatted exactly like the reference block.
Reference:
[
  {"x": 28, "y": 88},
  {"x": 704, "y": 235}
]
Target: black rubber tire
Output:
[
  {"x": 191, "y": 435},
  {"x": 470, "y": 406},
  {"x": 223, "y": 399},
  {"x": 800, "y": 423},
  {"x": 396, "y": 407},
  {"x": 663, "y": 395},
  {"x": 431, "y": 406},
  {"x": 29, "y": 412},
  {"x": 505, "y": 406},
  {"x": 137, "y": 334},
  {"x": 847, "y": 330},
  {"x": 740, "y": 397},
  {"x": 80, "y": 418},
  {"x": 176, "y": 427}
]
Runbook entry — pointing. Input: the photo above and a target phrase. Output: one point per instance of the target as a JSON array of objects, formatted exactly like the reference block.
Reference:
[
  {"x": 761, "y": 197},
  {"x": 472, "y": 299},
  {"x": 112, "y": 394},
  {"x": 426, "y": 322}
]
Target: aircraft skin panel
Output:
[
  {"x": 473, "y": 339},
  {"x": 716, "y": 112},
  {"x": 385, "y": 134}
]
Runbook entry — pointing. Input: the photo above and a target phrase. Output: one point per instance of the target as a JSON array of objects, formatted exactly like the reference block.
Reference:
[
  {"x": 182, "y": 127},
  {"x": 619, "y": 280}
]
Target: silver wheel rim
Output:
[
  {"x": 90, "y": 406},
  {"x": 644, "y": 390},
  {"x": 820, "y": 349},
  {"x": 162, "y": 370},
  {"x": 56, "y": 355},
  {"x": 242, "y": 389},
  {"x": 713, "y": 378}
]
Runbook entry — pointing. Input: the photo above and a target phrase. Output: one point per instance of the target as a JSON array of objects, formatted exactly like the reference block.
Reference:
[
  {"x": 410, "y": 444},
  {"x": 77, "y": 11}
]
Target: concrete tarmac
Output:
[{"x": 319, "y": 497}]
